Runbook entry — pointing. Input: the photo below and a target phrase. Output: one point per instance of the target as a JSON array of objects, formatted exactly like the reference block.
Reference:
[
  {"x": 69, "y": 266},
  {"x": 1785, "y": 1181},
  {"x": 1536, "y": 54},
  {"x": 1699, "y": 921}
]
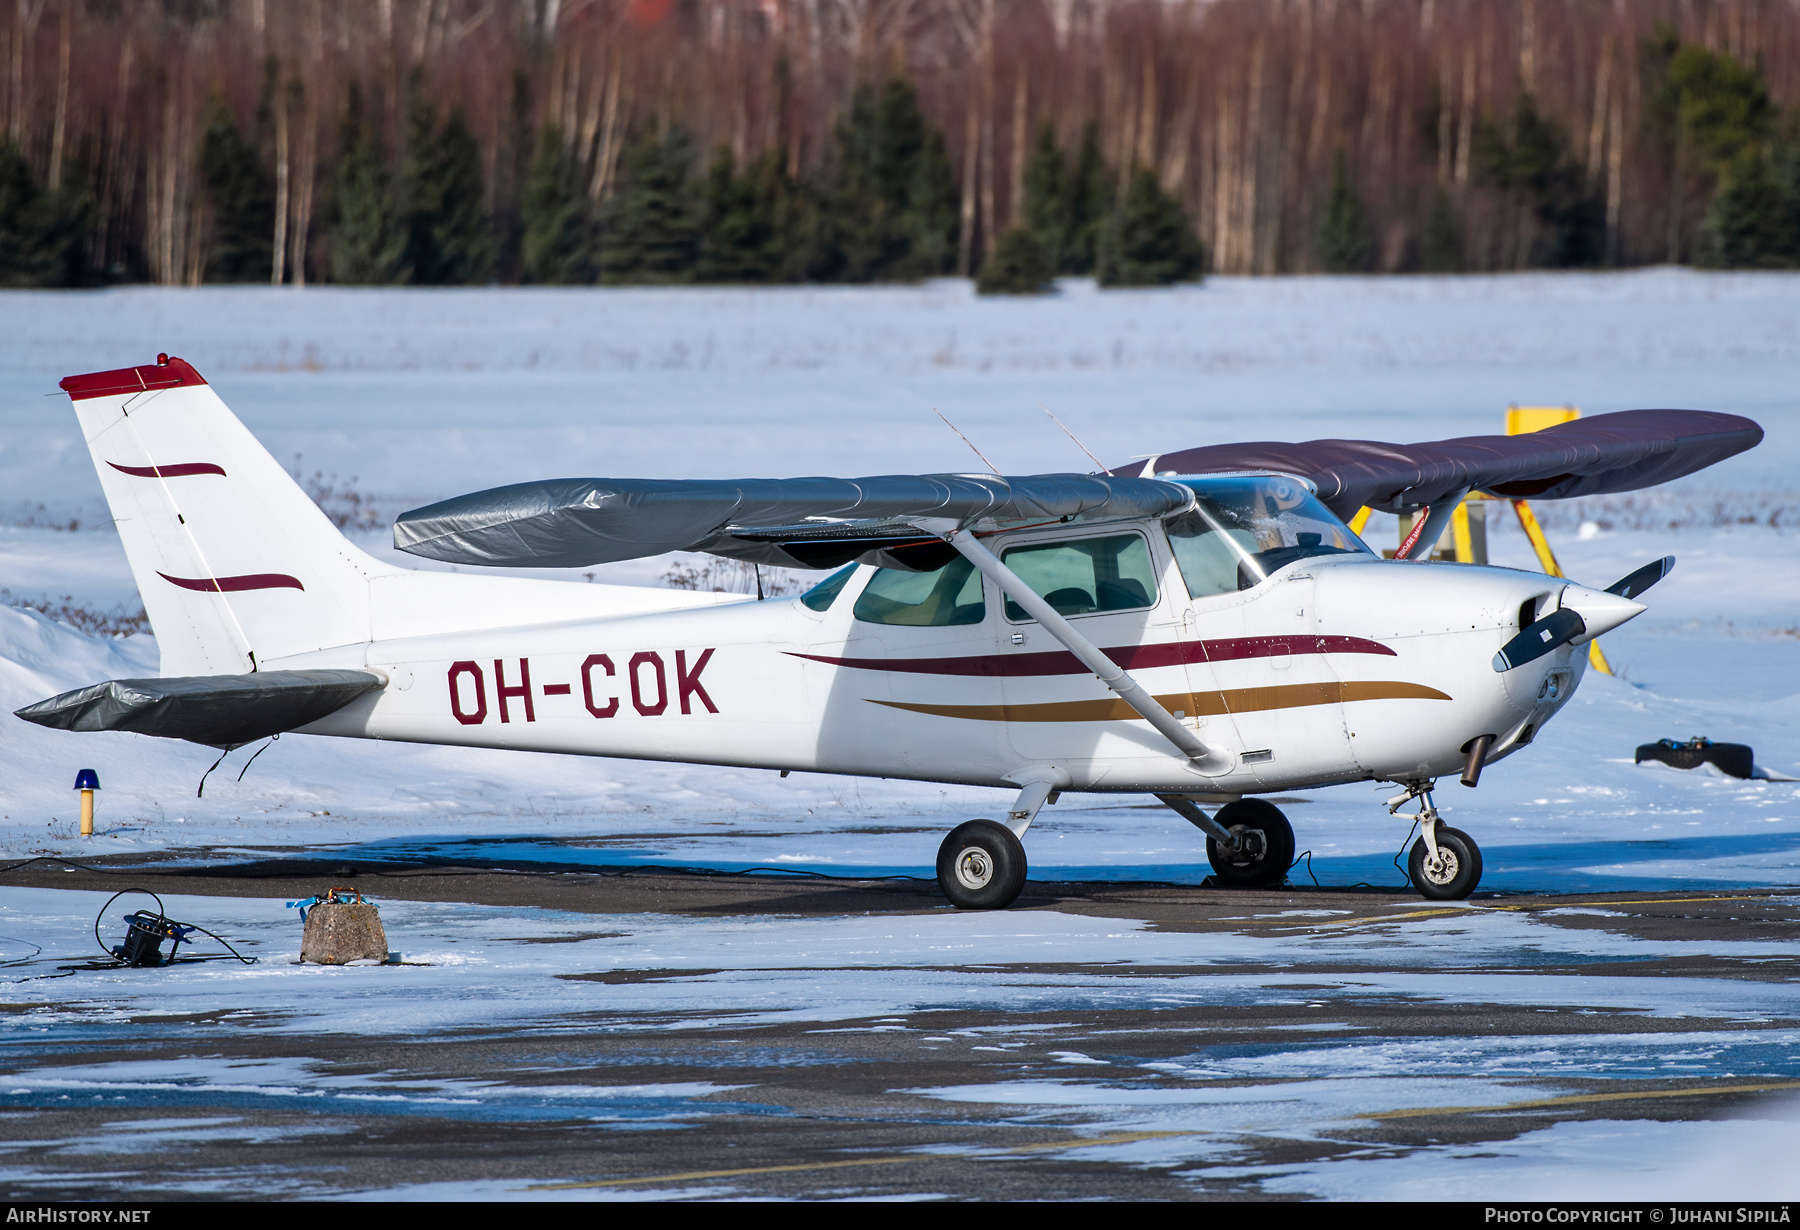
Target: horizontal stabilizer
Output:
[
  {"x": 792, "y": 522},
  {"x": 220, "y": 710},
  {"x": 1601, "y": 455}
]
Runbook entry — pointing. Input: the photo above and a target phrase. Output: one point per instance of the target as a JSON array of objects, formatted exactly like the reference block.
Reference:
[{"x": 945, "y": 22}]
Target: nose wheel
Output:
[
  {"x": 1452, "y": 873},
  {"x": 1444, "y": 864},
  {"x": 981, "y": 866}
]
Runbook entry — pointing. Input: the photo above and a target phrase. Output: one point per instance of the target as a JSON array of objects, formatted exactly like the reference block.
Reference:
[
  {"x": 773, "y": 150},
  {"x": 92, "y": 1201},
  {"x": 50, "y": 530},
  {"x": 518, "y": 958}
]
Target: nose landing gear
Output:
[{"x": 1444, "y": 864}]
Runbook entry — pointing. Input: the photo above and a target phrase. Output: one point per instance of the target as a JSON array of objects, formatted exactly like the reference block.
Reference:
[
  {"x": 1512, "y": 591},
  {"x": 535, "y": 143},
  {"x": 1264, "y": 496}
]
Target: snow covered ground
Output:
[
  {"x": 487, "y": 970},
  {"x": 407, "y": 397},
  {"x": 420, "y": 395}
]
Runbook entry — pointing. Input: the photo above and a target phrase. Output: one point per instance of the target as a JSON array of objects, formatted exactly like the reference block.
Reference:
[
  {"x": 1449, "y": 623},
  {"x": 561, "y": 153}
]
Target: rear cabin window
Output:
[
  {"x": 821, "y": 596},
  {"x": 950, "y": 595},
  {"x": 1085, "y": 576}
]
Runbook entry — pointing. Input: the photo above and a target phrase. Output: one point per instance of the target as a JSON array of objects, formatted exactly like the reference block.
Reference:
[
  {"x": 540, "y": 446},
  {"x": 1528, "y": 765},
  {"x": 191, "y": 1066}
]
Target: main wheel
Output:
[
  {"x": 981, "y": 866},
  {"x": 1265, "y": 848},
  {"x": 1456, "y": 876}
]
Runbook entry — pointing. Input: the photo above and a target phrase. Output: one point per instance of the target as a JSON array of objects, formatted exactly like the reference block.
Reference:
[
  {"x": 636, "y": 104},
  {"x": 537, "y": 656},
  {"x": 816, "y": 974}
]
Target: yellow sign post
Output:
[
  {"x": 1519, "y": 420},
  {"x": 1463, "y": 535}
]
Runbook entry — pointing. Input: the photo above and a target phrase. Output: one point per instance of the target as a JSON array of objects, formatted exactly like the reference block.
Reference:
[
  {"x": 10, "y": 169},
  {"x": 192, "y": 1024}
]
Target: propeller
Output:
[
  {"x": 1553, "y": 631},
  {"x": 1566, "y": 624},
  {"x": 1641, "y": 580}
]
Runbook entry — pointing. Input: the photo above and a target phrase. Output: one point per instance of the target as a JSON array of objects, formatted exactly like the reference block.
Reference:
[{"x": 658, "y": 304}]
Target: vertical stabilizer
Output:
[{"x": 235, "y": 563}]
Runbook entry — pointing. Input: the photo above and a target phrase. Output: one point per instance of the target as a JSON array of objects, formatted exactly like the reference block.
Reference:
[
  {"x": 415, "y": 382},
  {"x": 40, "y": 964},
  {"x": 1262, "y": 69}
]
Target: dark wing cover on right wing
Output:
[{"x": 1595, "y": 456}]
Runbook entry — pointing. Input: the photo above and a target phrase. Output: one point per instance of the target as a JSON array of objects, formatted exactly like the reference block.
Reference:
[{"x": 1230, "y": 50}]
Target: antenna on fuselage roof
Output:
[
  {"x": 953, "y": 427},
  {"x": 1099, "y": 466}
]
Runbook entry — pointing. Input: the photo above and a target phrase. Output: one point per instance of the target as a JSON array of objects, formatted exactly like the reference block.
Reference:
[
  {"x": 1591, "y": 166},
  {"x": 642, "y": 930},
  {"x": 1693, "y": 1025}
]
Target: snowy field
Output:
[
  {"x": 408, "y": 397},
  {"x": 413, "y": 396}
]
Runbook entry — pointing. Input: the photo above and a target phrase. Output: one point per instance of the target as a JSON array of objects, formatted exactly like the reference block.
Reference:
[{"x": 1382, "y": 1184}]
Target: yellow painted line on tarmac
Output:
[
  {"x": 1450, "y": 908},
  {"x": 1779, "y": 892},
  {"x": 1125, "y": 1138},
  {"x": 1578, "y": 1099},
  {"x": 997, "y": 1151}
]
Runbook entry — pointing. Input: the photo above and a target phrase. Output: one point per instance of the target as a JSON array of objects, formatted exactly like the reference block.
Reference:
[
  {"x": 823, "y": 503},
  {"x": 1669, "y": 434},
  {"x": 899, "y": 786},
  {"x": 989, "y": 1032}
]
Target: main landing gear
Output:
[
  {"x": 981, "y": 866},
  {"x": 1444, "y": 863},
  {"x": 1249, "y": 843}
]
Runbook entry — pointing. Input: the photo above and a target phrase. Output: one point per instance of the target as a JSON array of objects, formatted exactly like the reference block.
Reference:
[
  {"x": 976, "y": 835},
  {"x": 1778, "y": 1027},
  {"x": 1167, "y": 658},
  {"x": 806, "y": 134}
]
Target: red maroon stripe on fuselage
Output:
[
  {"x": 233, "y": 585},
  {"x": 1131, "y": 657},
  {"x": 181, "y": 470}
]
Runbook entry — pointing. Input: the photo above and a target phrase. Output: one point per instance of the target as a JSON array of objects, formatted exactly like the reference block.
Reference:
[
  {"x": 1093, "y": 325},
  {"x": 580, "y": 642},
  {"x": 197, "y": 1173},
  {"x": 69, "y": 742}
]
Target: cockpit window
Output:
[
  {"x": 1244, "y": 529},
  {"x": 950, "y": 595},
  {"x": 1082, "y": 576}
]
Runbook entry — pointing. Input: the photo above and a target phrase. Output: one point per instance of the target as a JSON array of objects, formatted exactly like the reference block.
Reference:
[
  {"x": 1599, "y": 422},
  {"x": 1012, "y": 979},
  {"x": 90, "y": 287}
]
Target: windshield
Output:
[{"x": 1244, "y": 529}]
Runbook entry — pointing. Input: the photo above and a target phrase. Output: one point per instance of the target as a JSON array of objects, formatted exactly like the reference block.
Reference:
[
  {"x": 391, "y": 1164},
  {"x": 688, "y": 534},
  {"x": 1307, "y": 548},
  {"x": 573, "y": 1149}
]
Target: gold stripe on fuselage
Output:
[{"x": 1210, "y": 704}]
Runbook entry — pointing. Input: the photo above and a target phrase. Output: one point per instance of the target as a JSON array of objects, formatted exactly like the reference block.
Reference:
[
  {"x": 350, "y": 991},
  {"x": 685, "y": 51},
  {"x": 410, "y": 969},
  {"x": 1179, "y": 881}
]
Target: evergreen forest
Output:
[{"x": 633, "y": 142}]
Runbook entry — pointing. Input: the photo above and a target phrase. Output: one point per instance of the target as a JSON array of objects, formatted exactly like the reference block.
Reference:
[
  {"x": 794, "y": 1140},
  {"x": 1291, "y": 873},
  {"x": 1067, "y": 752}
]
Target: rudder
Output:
[{"x": 235, "y": 563}]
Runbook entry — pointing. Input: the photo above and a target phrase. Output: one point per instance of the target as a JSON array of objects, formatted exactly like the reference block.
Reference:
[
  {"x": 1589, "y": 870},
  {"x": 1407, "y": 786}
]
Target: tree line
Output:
[{"x": 452, "y": 142}]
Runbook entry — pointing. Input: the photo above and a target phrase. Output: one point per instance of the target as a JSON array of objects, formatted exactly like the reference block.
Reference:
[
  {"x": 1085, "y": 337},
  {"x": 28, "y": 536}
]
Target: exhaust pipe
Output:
[{"x": 1478, "y": 750}]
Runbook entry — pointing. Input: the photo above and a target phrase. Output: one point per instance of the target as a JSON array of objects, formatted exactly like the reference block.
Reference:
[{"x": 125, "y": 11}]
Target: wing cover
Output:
[
  {"x": 792, "y": 522},
  {"x": 221, "y": 710},
  {"x": 1594, "y": 456}
]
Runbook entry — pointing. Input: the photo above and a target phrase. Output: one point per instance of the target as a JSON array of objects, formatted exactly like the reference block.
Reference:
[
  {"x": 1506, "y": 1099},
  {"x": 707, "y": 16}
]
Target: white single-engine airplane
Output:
[{"x": 1203, "y": 629}]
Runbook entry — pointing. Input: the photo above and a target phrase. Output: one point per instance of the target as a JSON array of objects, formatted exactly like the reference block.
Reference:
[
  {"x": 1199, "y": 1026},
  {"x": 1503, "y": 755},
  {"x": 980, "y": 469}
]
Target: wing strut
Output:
[{"x": 1114, "y": 676}]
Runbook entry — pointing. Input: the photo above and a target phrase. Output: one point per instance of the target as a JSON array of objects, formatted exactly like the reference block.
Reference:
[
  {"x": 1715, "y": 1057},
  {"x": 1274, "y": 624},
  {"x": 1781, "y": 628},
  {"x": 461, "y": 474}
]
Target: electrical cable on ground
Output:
[{"x": 160, "y": 926}]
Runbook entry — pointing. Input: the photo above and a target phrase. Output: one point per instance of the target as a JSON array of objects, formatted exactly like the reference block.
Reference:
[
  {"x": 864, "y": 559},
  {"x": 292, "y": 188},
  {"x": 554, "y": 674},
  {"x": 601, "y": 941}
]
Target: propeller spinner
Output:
[{"x": 1581, "y": 615}]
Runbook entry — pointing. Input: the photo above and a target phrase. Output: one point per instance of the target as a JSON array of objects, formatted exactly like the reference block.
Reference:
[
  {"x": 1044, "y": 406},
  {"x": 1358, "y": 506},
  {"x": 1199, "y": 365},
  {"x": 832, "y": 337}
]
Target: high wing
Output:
[
  {"x": 791, "y": 522},
  {"x": 1601, "y": 455},
  {"x": 827, "y": 522}
]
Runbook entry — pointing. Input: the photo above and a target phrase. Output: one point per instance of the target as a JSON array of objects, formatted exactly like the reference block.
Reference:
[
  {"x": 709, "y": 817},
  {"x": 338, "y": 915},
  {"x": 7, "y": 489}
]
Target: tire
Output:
[
  {"x": 981, "y": 866},
  {"x": 1270, "y": 849},
  {"x": 1462, "y": 866},
  {"x": 1733, "y": 759}
]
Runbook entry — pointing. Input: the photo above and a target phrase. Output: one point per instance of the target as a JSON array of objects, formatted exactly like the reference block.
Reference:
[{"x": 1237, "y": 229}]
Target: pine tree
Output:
[
  {"x": 368, "y": 239},
  {"x": 888, "y": 207},
  {"x": 650, "y": 228},
  {"x": 1045, "y": 209},
  {"x": 24, "y": 219},
  {"x": 512, "y": 171},
  {"x": 933, "y": 216},
  {"x": 748, "y": 234},
  {"x": 1018, "y": 265},
  {"x": 243, "y": 201},
  {"x": 1148, "y": 241},
  {"x": 1750, "y": 223},
  {"x": 557, "y": 245},
  {"x": 1723, "y": 105},
  {"x": 1536, "y": 169},
  {"x": 1345, "y": 242},
  {"x": 1440, "y": 244},
  {"x": 1088, "y": 205},
  {"x": 449, "y": 242}
]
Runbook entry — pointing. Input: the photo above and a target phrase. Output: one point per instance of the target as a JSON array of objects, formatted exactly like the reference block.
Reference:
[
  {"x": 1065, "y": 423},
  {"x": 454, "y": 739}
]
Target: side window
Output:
[
  {"x": 1086, "y": 575},
  {"x": 950, "y": 595},
  {"x": 821, "y": 596}
]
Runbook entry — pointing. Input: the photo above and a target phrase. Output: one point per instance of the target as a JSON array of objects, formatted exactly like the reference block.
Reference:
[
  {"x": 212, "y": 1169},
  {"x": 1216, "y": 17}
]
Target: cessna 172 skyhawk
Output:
[{"x": 1204, "y": 628}]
